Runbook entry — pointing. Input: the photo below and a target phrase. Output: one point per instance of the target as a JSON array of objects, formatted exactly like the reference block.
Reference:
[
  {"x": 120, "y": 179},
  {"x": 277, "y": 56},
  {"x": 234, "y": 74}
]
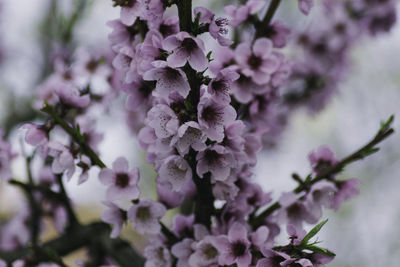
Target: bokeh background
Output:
[{"x": 365, "y": 232}]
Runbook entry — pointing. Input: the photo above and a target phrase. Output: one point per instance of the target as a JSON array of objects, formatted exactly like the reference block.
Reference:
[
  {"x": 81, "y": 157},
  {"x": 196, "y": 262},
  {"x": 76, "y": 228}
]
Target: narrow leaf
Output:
[
  {"x": 313, "y": 232},
  {"x": 385, "y": 125},
  {"x": 319, "y": 250},
  {"x": 371, "y": 151}
]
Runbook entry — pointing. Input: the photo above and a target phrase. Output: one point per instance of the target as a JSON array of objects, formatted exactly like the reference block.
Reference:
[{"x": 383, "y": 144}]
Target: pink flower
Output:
[
  {"x": 175, "y": 172},
  {"x": 278, "y": 33},
  {"x": 216, "y": 160},
  {"x": 63, "y": 159},
  {"x": 213, "y": 116},
  {"x": 189, "y": 136},
  {"x": 115, "y": 216},
  {"x": 346, "y": 190},
  {"x": 216, "y": 27},
  {"x": 130, "y": 10},
  {"x": 295, "y": 211},
  {"x": 234, "y": 248},
  {"x": 146, "y": 215},
  {"x": 34, "y": 135},
  {"x": 322, "y": 158},
  {"x": 168, "y": 79},
  {"x": 205, "y": 252},
  {"x": 241, "y": 13},
  {"x": 305, "y": 6},
  {"x": 182, "y": 251},
  {"x": 163, "y": 120},
  {"x": 272, "y": 258},
  {"x": 122, "y": 182},
  {"x": 219, "y": 86},
  {"x": 185, "y": 48},
  {"x": 321, "y": 194},
  {"x": 258, "y": 63},
  {"x": 157, "y": 254}
]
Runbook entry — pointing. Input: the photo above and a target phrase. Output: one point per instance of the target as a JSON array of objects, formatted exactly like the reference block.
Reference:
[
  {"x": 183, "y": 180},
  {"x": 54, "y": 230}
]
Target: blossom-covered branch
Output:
[{"x": 202, "y": 105}]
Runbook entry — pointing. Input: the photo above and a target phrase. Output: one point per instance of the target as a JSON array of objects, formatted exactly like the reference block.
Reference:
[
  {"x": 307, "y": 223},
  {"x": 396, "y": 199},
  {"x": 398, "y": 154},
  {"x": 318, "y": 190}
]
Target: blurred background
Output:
[{"x": 364, "y": 232}]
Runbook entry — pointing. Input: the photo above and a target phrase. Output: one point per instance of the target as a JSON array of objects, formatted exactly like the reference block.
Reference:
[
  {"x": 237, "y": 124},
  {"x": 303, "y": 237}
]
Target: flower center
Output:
[
  {"x": 122, "y": 180},
  {"x": 166, "y": 30},
  {"x": 323, "y": 165},
  {"x": 210, "y": 114},
  {"x": 143, "y": 214},
  {"x": 254, "y": 62},
  {"x": 295, "y": 211},
  {"x": 210, "y": 252},
  {"x": 238, "y": 248},
  {"x": 146, "y": 87},
  {"x": 189, "y": 44},
  {"x": 92, "y": 65},
  {"x": 212, "y": 156},
  {"x": 171, "y": 74},
  {"x": 276, "y": 260},
  {"x": 220, "y": 86}
]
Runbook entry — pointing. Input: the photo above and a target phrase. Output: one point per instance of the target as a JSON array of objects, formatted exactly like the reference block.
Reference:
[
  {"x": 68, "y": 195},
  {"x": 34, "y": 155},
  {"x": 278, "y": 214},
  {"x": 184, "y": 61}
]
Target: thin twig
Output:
[{"x": 75, "y": 134}]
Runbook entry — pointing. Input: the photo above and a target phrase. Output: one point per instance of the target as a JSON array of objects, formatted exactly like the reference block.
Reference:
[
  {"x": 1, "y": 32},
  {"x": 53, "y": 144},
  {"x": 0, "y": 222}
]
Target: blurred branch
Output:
[
  {"x": 370, "y": 148},
  {"x": 54, "y": 28},
  {"x": 79, "y": 237},
  {"x": 73, "y": 221},
  {"x": 75, "y": 135}
]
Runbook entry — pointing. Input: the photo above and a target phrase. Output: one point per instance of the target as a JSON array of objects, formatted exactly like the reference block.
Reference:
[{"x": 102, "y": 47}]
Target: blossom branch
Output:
[
  {"x": 35, "y": 211},
  {"x": 204, "y": 206},
  {"x": 75, "y": 134},
  {"x": 368, "y": 149}
]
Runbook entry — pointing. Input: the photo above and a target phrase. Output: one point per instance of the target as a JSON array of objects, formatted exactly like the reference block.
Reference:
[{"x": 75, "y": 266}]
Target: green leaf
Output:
[
  {"x": 320, "y": 250},
  {"x": 196, "y": 23},
  {"x": 385, "y": 125},
  {"x": 313, "y": 232},
  {"x": 371, "y": 151},
  {"x": 209, "y": 56}
]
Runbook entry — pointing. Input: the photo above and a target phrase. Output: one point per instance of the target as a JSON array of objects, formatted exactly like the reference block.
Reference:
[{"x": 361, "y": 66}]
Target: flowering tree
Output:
[{"x": 201, "y": 111}]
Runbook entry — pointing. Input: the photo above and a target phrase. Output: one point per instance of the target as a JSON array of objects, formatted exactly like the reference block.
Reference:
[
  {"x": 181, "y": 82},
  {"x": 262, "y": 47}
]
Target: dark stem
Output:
[
  {"x": 34, "y": 216},
  {"x": 273, "y": 6},
  {"x": 33, "y": 204},
  {"x": 72, "y": 219},
  {"x": 172, "y": 238},
  {"x": 42, "y": 189},
  {"x": 204, "y": 200},
  {"x": 185, "y": 15}
]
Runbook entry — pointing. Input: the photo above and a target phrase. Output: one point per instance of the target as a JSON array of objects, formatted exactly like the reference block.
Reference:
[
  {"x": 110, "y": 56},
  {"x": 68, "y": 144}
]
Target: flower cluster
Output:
[
  {"x": 201, "y": 111},
  {"x": 325, "y": 47}
]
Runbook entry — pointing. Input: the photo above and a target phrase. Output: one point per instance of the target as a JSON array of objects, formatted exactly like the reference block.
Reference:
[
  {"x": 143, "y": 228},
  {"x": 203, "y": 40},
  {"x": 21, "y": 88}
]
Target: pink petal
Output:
[
  {"x": 197, "y": 60},
  {"x": 262, "y": 47},
  {"x": 242, "y": 53},
  {"x": 120, "y": 165},
  {"x": 237, "y": 232},
  {"x": 106, "y": 176},
  {"x": 178, "y": 58}
]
